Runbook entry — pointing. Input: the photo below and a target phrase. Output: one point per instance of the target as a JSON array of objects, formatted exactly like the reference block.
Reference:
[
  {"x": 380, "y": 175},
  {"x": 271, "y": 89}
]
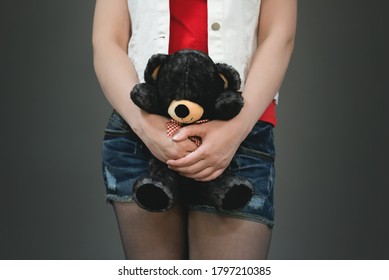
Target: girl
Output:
[{"x": 254, "y": 36}]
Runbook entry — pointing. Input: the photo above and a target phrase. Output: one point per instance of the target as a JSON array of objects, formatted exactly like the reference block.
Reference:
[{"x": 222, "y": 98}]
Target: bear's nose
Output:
[
  {"x": 185, "y": 111},
  {"x": 181, "y": 111}
]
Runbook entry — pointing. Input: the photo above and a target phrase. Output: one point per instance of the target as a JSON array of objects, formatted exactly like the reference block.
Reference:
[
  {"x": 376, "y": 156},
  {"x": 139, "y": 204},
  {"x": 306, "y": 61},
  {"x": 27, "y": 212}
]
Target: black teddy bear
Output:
[{"x": 189, "y": 87}]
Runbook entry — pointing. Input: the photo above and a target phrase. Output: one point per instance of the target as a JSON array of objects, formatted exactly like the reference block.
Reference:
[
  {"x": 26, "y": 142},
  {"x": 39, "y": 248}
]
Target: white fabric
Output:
[{"x": 233, "y": 43}]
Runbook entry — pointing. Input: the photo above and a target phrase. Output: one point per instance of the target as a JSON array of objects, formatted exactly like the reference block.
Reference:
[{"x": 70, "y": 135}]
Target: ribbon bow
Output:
[{"x": 173, "y": 126}]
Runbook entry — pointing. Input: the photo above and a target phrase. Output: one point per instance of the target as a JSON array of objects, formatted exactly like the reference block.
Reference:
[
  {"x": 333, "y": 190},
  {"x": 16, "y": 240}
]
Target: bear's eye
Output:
[{"x": 181, "y": 111}]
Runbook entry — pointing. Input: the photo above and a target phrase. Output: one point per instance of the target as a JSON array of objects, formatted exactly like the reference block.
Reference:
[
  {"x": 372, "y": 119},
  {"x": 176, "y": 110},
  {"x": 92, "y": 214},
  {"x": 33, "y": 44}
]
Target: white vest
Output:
[{"x": 232, "y": 32}]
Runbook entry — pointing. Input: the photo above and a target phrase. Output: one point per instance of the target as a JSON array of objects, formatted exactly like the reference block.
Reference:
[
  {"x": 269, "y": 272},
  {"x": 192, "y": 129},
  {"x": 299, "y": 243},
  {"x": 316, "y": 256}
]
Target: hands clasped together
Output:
[{"x": 219, "y": 143}]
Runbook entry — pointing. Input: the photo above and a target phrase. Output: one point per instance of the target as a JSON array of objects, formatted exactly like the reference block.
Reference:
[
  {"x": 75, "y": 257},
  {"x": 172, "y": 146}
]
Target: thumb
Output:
[{"x": 188, "y": 131}]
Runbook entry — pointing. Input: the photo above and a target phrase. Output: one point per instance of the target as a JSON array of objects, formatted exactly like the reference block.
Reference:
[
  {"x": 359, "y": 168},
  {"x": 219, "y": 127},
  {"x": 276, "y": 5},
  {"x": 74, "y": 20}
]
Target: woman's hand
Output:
[
  {"x": 220, "y": 140},
  {"x": 152, "y": 131}
]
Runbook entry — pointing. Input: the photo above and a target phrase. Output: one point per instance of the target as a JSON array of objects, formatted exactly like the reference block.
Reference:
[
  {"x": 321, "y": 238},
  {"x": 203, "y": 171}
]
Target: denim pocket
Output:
[
  {"x": 120, "y": 140},
  {"x": 259, "y": 143},
  {"x": 123, "y": 162},
  {"x": 124, "y": 158},
  {"x": 117, "y": 126}
]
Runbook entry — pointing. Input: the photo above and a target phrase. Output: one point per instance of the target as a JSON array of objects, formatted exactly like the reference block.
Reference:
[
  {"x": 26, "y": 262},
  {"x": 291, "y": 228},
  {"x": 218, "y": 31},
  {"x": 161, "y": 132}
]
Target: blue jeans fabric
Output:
[{"x": 125, "y": 158}]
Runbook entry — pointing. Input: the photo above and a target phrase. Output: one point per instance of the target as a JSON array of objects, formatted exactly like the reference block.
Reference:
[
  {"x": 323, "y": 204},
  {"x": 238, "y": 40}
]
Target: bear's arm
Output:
[
  {"x": 228, "y": 105},
  {"x": 145, "y": 97}
]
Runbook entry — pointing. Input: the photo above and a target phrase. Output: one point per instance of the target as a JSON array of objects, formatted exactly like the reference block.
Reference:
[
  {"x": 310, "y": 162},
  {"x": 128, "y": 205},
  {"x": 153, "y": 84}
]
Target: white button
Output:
[{"x": 215, "y": 26}]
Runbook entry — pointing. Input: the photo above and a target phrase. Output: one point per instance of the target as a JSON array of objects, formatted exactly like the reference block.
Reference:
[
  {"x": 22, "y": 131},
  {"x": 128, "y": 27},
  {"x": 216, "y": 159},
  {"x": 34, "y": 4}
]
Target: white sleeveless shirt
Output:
[{"x": 232, "y": 32}]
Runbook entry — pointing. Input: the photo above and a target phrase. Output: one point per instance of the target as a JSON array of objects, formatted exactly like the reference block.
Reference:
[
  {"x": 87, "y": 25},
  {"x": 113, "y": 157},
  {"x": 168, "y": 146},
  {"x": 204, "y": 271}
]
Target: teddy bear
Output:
[{"x": 189, "y": 88}]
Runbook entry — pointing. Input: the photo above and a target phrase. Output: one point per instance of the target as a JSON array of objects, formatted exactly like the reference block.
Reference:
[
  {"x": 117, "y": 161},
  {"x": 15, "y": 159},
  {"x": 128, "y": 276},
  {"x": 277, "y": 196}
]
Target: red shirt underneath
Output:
[{"x": 189, "y": 29}]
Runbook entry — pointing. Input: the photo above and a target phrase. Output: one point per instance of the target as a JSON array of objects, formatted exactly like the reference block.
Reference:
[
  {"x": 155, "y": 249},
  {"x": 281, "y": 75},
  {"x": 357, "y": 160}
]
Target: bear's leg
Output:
[
  {"x": 153, "y": 195},
  {"x": 227, "y": 192},
  {"x": 236, "y": 196},
  {"x": 156, "y": 192}
]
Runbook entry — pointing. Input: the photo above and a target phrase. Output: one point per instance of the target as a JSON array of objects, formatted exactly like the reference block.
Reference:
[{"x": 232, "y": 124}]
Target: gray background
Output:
[{"x": 331, "y": 187}]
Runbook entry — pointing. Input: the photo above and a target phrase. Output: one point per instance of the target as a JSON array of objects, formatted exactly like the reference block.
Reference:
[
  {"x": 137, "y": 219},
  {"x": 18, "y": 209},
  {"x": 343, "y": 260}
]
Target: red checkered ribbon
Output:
[{"x": 174, "y": 126}]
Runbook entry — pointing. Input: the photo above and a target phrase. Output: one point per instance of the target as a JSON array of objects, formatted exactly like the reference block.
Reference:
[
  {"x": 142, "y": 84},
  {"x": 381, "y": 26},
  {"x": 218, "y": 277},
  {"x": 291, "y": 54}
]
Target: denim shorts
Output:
[{"x": 125, "y": 158}]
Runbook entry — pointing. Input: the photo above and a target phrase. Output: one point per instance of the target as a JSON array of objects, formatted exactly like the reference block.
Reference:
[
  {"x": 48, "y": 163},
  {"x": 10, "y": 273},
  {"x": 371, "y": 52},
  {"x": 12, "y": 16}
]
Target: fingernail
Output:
[{"x": 175, "y": 136}]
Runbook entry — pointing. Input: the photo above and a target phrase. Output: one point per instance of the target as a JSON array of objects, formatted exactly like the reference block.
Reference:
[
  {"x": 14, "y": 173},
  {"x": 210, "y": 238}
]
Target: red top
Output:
[
  {"x": 188, "y": 25},
  {"x": 189, "y": 29}
]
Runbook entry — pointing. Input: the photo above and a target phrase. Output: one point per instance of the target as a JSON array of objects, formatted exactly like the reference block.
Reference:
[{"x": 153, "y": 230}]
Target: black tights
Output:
[{"x": 178, "y": 234}]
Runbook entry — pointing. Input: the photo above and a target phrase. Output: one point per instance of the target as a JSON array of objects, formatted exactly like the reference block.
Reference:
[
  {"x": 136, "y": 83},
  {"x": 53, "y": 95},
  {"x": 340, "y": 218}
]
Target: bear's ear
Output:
[
  {"x": 229, "y": 75},
  {"x": 152, "y": 67}
]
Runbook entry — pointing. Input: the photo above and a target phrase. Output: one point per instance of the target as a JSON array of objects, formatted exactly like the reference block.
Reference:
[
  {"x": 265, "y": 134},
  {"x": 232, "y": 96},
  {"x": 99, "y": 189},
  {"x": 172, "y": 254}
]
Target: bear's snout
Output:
[{"x": 185, "y": 111}]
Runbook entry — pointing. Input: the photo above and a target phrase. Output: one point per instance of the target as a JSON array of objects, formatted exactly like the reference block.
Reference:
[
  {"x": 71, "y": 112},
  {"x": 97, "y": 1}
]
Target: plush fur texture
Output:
[{"x": 190, "y": 77}]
